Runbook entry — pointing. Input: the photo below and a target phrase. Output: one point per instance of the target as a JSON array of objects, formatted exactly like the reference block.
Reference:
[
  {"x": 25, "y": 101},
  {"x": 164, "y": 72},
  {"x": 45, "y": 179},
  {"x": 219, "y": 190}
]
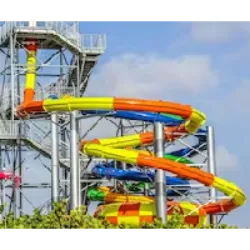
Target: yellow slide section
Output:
[{"x": 31, "y": 70}]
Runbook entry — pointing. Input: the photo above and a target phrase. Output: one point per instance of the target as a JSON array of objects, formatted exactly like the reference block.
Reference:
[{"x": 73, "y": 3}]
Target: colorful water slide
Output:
[{"x": 138, "y": 208}]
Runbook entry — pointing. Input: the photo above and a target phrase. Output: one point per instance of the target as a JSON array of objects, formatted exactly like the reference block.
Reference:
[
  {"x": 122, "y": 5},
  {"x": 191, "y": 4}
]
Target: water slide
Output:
[
  {"x": 169, "y": 120},
  {"x": 179, "y": 186},
  {"x": 108, "y": 170},
  {"x": 130, "y": 208}
]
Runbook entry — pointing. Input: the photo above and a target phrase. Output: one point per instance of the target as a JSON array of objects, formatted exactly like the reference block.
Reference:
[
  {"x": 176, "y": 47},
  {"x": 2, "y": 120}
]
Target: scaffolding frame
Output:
[{"x": 77, "y": 55}]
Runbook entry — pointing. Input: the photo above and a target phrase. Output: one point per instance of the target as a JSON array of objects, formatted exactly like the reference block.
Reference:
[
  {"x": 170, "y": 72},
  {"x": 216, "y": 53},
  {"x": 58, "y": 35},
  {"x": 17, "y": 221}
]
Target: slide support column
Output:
[
  {"x": 146, "y": 185},
  {"x": 211, "y": 167},
  {"x": 74, "y": 161},
  {"x": 160, "y": 179},
  {"x": 124, "y": 165},
  {"x": 54, "y": 159}
]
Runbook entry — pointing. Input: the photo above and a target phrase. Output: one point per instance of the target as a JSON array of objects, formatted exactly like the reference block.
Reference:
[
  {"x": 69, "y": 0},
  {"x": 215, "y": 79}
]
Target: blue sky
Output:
[{"x": 202, "y": 64}]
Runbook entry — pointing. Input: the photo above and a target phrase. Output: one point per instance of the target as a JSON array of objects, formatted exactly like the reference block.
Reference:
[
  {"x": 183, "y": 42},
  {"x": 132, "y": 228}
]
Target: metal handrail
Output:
[{"x": 70, "y": 32}]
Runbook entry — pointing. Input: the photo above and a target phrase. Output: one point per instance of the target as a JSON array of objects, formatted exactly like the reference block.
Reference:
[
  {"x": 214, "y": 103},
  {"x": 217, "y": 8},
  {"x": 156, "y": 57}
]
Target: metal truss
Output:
[{"x": 25, "y": 145}]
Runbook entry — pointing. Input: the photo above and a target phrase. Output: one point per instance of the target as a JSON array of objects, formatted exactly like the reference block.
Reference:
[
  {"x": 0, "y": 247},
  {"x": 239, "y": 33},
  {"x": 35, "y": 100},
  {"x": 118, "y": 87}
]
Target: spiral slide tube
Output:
[
  {"x": 135, "y": 213},
  {"x": 110, "y": 172}
]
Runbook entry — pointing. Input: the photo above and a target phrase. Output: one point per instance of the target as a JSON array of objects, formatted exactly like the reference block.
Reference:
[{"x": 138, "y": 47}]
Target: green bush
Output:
[{"x": 59, "y": 217}]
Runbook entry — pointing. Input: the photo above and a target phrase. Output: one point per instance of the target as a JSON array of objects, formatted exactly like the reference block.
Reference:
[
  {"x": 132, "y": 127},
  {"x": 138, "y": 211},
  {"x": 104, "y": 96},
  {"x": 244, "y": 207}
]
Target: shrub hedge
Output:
[{"x": 59, "y": 218}]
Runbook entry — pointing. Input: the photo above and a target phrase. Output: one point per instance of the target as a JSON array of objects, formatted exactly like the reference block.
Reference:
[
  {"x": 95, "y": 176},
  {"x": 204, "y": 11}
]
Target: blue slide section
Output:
[
  {"x": 140, "y": 116},
  {"x": 132, "y": 175}
]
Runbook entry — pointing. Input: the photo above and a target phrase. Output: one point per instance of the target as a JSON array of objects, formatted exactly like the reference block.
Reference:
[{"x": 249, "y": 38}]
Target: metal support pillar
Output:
[
  {"x": 20, "y": 173},
  {"x": 124, "y": 165},
  {"x": 77, "y": 131},
  {"x": 74, "y": 160},
  {"x": 146, "y": 186},
  {"x": 160, "y": 179},
  {"x": 64, "y": 172},
  {"x": 19, "y": 143},
  {"x": 55, "y": 188},
  {"x": 211, "y": 167},
  {"x": 80, "y": 193},
  {"x": 12, "y": 76},
  {"x": 12, "y": 204}
]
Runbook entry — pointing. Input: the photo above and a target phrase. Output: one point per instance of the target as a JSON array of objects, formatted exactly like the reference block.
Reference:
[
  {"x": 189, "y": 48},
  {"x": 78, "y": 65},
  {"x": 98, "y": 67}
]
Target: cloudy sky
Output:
[{"x": 202, "y": 64}]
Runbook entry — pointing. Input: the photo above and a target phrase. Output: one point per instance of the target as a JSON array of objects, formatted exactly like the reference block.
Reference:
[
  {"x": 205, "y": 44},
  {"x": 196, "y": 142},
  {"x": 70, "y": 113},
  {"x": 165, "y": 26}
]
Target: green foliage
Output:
[{"x": 60, "y": 217}]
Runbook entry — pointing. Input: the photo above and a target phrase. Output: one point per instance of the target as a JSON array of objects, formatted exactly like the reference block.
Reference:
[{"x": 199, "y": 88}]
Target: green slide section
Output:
[
  {"x": 95, "y": 195},
  {"x": 178, "y": 159},
  {"x": 173, "y": 116}
]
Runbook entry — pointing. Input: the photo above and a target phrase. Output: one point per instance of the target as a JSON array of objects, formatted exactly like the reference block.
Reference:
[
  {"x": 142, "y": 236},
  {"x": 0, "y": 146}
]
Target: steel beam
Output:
[
  {"x": 146, "y": 185},
  {"x": 160, "y": 179},
  {"x": 54, "y": 158},
  {"x": 211, "y": 167},
  {"x": 74, "y": 157}
]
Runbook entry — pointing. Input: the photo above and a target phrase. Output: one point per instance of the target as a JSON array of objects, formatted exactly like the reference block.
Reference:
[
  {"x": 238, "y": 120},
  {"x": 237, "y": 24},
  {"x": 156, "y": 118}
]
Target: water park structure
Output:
[{"x": 145, "y": 175}]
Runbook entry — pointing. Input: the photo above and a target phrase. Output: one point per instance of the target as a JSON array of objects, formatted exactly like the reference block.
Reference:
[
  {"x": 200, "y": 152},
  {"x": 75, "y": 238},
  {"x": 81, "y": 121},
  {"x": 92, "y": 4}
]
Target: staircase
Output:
[
  {"x": 86, "y": 64},
  {"x": 60, "y": 35},
  {"x": 85, "y": 50}
]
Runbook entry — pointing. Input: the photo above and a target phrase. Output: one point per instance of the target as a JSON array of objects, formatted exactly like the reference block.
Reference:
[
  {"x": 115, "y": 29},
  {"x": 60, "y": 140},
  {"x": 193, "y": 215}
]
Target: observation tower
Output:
[{"x": 64, "y": 64}]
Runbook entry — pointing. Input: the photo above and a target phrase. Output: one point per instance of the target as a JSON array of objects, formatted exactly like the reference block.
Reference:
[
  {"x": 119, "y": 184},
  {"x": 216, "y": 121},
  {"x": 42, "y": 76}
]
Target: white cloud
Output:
[
  {"x": 239, "y": 99},
  {"x": 233, "y": 104},
  {"x": 219, "y": 31},
  {"x": 97, "y": 129},
  {"x": 132, "y": 75},
  {"x": 225, "y": 160}
]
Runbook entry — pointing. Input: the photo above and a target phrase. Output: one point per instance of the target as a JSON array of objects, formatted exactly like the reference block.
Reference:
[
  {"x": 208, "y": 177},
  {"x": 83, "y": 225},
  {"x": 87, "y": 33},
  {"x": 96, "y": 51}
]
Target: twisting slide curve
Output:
[
  {"x": 136, "y": 209},
  {"x": 109, "y": 170}
]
